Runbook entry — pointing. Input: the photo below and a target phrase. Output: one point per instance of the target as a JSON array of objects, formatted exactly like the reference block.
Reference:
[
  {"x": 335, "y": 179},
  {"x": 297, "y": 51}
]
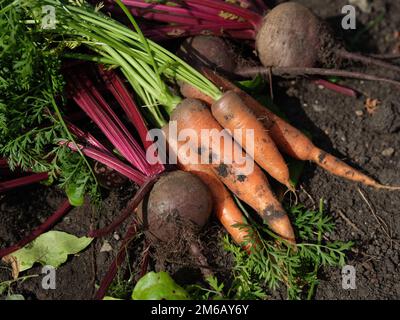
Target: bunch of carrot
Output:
[
  {"x": 235, "y": 109},
  {"x": 230, "y": 108}
]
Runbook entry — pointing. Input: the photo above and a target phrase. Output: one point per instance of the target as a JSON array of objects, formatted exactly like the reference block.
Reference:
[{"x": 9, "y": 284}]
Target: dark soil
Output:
[{"x": 340, "y": 125}]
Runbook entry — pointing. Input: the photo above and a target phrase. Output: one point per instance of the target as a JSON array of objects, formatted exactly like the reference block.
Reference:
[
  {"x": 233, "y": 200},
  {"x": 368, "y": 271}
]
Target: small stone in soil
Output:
[
  {"x": 359, "y": 113},
  {"x": 116, "y": 236},
  {"x": 106, "y": 247},
  {"x": 388, "y": 152}
]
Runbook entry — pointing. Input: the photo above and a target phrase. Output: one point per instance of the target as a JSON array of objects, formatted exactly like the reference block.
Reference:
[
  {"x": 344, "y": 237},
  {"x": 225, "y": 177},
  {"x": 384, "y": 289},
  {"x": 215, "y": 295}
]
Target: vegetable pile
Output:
[
  {"x": 76, "y": 105},
  {"x": 289, "y": 39}
]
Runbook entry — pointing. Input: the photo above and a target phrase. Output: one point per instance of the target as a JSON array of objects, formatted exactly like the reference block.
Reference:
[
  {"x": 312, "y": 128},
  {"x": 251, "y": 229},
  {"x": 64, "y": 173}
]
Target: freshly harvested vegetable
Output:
[
  {"x": 164, "y": 213},
  {"x": 251, "y": 187},
  {"x": 173, "y": 217},
  {"x": 224, "y": 207},
  {"x": 292, "y": 36},
  {"x": 291, "y": 140},
  {"x": 289, "y": 38},
  {"x": 232, "y": 113},
  {"x": 209, "y": 51}
]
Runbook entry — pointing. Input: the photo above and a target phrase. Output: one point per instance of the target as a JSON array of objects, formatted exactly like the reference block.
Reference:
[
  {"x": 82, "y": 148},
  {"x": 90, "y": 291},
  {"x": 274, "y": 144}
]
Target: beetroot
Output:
[
  {"x": 292, "y": 36},
  {"x": 209, "y": 51},
  {"x": 288, "y": 36},
  {"x": 173, "y": 214},
  {"x": 178, "y": 200}
]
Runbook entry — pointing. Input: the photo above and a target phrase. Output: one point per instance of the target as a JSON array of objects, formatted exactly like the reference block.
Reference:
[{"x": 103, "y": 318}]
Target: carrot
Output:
[
  {"x": 289, "y": 139},
  {"x": 231, "y": 112},
  {"x": 225, "y": 208},
  {"x": 189, "y": 91},
  {"x": 251, "y": 187}
]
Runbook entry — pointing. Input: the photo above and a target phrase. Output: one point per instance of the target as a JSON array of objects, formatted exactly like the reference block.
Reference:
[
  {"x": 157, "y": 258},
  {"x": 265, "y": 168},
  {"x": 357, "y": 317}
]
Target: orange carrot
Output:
[
  {"x": 225, "y": 208},
  {"x": 251, "y": 186},
  {"x": 232, "y": 113},
  {"x": 289, "y": 139}
]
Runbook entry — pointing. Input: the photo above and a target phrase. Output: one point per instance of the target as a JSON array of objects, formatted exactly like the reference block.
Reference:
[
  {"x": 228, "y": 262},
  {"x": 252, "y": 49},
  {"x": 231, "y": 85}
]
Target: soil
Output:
[{"x": 340, "y": 125}]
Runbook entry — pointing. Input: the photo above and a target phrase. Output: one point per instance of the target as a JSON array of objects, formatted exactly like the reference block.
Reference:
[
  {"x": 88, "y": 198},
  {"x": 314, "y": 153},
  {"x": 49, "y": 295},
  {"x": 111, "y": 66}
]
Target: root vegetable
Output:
[
  {"x": 292, "y": 141},
  {"x": 289, "y": 36},
  {"x": 252, "y": 188},
  {"x": 231, "y": 112},
  {"x": 177, "y": 198},
  {"x": 209, "y": 51},
  {"x": 176, "y": 209},
  {"x": 292, "y": 36},
  {"x": 224, "y": 207}
]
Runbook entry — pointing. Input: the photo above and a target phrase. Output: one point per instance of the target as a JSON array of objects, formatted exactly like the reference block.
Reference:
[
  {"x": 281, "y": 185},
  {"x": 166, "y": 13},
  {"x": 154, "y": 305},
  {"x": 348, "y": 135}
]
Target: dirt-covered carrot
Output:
[
  {"x": 248, "y": 184},
  {"x": 233, "y": 114},
  {"x": 291, "y": 140},
  {"x": 224, "y": 206}
]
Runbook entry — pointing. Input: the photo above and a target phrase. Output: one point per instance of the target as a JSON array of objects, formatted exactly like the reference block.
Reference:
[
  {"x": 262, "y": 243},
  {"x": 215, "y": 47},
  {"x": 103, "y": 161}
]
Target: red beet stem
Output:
[
  {"x": 19, "y": 182},
  {"x": 129, "y": 209},
  {"x": 207, "y": 10},
  {"x": 125, "y": 100},
  {"x": 336, "y": 88},
  {"x": 171, "y": 10},
  {"x": 56, "y": 216},
  {"x": 254, "y": 18},
  {"x": 87, "y": 137},
  {"x": 90, "y": 100},
  {"x": 112, "y": 271},
  {"x": 111, "y": 161}
]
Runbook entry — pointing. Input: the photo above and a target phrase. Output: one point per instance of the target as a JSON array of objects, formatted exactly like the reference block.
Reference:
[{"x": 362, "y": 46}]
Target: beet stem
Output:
[
  {"x": 253, "y": 17},
  {"x": 19, "y": 182},
  {"x": 125, "y": 100},
  {"x": 336, "y": 88},
  {"x": 129, "y": 209},
  {"x": 56, "y": 216},
  {"x": 299, "y": 71},
  {"x": 111, "y": 161},
  {"x": 171, "y": 10},
  {"x": 112, "y": 271}
]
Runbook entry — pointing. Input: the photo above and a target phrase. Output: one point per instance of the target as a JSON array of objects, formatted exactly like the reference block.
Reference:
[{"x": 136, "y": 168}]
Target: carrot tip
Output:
[{"x": 391, "y": 188}]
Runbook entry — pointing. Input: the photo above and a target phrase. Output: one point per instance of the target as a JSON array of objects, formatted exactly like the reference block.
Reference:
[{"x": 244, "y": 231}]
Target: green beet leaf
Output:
[
  {"x": 51, "y": 248},
  {"x": 158, "y": 286}
]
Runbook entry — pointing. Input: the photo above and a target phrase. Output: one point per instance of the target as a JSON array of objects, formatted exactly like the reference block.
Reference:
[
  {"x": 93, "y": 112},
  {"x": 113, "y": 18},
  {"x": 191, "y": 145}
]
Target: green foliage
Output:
[
  {"x": 31, "y": 125},
  {"x": 6, "y": 287},
  {"x": 158, "y": 286},
  {"x": 274, "y": 262},
  {"x": 51, "y": 248}
]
